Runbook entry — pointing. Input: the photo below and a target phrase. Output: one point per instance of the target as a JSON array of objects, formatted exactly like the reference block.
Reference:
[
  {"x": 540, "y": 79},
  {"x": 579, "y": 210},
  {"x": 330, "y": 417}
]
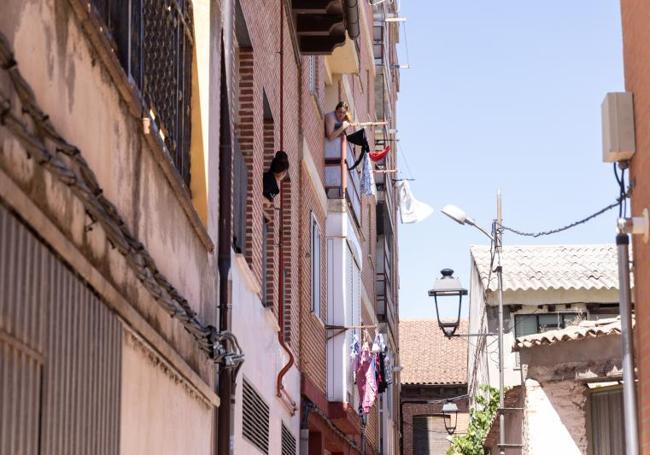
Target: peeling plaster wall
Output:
[
  {"x": 555, "y": 418},
  {"x": 72, "y": 84},
  {"x": 73, "y": 87}
]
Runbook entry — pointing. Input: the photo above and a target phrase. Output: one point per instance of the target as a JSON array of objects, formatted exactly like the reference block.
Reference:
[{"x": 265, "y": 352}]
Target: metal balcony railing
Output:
[
  {"x": 340, "y": 182},
  {"x": 154, "y": 42}
]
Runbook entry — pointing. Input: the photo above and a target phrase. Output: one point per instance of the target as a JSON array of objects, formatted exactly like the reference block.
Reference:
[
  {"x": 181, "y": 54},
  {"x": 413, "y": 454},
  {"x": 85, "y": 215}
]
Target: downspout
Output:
[
  {"x": 226, "y": 387},
  {"x": 281, "y": 392},
  {"x": 352, "y": 18}
]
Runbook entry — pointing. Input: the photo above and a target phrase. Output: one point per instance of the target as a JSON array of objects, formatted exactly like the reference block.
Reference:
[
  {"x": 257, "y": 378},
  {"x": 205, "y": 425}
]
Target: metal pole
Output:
[
  {"x": 629, "y": 391},
  {"x": 497, "y": 246}
]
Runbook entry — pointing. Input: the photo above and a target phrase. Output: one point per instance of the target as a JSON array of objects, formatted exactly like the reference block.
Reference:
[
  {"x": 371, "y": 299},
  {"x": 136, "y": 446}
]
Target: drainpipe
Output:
[
  {"x": 281, "y": 392},
  {"x": 629, "y": 385},
  {"x": 352, "y": 18},
  {"x": 226, "y": 387}
]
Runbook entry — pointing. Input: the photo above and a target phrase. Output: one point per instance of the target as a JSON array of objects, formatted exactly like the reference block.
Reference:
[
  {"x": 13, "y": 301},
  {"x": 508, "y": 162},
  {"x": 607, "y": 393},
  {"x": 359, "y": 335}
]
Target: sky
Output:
[{"x": 505, "y": 95}]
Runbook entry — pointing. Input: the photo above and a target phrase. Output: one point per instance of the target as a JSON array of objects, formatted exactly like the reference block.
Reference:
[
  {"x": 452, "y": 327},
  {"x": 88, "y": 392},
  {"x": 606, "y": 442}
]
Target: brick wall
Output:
[
  {"x": 260, "y": 137},
  {"x": 636, "y": 53}
]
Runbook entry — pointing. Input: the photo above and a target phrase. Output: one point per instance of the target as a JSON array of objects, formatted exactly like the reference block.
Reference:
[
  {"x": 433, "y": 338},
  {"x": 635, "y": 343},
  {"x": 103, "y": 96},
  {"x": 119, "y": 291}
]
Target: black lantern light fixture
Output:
[
  {"x": 446, "y": 288},
  {"x": 448, "y": 410}
]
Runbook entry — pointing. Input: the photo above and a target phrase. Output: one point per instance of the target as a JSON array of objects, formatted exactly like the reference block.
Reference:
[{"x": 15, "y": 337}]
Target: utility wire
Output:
[{"x": 619, "y": 201}]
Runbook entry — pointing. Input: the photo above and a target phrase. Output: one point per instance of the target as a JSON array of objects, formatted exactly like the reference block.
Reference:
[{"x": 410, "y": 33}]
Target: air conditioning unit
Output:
[{"x": 618, "y": 127}]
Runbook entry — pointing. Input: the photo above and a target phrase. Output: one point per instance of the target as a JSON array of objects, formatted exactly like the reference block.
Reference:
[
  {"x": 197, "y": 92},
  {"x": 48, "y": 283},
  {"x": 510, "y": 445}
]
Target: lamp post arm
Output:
[{"x": 486, "y": 233}]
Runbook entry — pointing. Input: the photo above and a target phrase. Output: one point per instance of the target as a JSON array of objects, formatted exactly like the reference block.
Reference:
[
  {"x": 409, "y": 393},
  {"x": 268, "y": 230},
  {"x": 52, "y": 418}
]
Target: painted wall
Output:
[
  {"x": 257, "y": 332},
  {"x": 76, "y": 85},
  {"x": 636, "y": 58},
  {"x": 554, "y": 419},
  {"x": 161, "y": 412}
]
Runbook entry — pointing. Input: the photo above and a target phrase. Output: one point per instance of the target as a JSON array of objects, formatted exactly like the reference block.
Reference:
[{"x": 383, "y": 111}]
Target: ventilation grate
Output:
[
  {"x": 288, "y": 442},
  {"x": 255, "y": 426}
]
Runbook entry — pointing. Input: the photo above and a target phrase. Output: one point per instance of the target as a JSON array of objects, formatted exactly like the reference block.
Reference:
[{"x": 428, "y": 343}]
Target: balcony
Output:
[
  {"x": 340, "y": 182},
  {"x": 323, "y": 25},
  {"x": 384, "y": 286}
]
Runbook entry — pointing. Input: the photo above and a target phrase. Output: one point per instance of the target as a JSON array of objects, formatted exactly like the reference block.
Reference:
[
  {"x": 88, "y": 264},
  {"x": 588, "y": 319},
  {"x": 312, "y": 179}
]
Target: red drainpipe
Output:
[{"x": 281, "y": 392}]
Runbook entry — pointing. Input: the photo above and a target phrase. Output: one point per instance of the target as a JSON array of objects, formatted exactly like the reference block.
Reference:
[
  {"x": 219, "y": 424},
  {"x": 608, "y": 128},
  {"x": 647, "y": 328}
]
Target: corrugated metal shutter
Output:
[
  {"x": 607, "y": 429},
  {"x": 60, "y": 354},
  {"x": 288, "y": 442},
  {"x": 255, "y": 426}
]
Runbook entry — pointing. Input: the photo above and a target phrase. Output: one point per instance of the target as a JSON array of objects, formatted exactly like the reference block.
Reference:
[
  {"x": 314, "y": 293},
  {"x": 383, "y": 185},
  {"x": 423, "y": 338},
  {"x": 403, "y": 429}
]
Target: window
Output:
[
  {"x": 529, "y": 324},
  {"x": 607, "y": 422},
  {"x": 154, "y": 43},
  {"x": 240, "y": 194},
  {"x": 266, "y": 243},
  {"x": 315, "y": 267}
]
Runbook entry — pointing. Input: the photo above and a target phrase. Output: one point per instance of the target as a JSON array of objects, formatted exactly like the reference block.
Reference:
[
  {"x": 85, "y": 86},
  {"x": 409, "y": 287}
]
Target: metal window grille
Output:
[
  {"x": 315, "y": 267},
  {"x": 154, "y": 42},
  {"x": 240, "y": 194},
  {"x": 255, "y": 425},
  {"x": 266, "y": 244},
  {"x": 288, "y": 442}
]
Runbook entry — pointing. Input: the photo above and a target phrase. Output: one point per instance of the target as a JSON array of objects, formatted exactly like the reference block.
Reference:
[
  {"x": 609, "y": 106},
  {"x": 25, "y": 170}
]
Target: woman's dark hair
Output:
[
  {"x": 342, "y": 104},
  {"x": 280, "y": 162}
]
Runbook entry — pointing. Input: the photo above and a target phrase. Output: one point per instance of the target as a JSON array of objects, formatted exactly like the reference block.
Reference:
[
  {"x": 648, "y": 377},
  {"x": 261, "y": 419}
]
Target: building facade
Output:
[
  {"x": 544, "y": 288},
  {"x": 109, "y": 213},
  {"x": 636, "y": 60},
  {"x": 434, "y": 372},
  {"x": 137, "y": 243}
]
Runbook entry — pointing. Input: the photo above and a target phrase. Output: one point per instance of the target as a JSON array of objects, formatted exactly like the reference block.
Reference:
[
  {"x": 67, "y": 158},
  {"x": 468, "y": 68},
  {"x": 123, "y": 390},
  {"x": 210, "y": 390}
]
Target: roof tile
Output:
[
  {"x": 428, "y": 357},
  {"x": 548, "y": 267}
]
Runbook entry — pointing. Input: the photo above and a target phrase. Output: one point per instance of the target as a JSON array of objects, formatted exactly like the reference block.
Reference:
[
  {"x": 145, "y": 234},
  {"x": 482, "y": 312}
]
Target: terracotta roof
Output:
[
  {"x": 585, "y": 329},
  {"x": 551, "y": 267},
  {"x": 430, "y": 358}
]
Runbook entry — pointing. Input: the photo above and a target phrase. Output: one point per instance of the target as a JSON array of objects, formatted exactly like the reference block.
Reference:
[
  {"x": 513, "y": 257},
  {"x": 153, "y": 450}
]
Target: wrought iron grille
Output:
[{"x": 154, "y": 42}]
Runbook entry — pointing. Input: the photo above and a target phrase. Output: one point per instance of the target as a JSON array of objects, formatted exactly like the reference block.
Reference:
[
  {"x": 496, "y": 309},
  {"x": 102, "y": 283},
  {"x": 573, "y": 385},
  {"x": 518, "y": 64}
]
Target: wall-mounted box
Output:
[{"x": 618, "y": 127}]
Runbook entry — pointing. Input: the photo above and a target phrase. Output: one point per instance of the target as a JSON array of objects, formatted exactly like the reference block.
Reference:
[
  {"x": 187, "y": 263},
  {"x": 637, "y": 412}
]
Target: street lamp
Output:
[
  {"x": 461, "y": 217},
  {"x": 446, "y": 287},
  {"x": 448, "y": 409}
]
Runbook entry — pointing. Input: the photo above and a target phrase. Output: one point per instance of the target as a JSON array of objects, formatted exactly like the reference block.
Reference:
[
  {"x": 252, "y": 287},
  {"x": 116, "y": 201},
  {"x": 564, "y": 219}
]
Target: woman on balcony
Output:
[{"x": 338, "y": 121}]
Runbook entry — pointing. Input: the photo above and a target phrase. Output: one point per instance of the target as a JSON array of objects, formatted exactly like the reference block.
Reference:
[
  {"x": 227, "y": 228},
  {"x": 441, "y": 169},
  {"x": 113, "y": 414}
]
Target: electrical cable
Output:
[
  {"x": 621, "y": 202},
  {"x": 618, "y": 202}
]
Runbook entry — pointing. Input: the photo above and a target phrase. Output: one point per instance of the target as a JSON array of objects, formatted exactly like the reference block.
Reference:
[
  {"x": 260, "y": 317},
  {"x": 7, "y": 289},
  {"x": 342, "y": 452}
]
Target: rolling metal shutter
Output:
[{"x": 60, "y": 354}]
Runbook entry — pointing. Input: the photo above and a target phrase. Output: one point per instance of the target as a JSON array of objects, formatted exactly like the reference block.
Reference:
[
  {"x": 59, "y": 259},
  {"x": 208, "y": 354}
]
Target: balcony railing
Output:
[
  {"x": 154, "y": 43},
  {"x": 340, "y": 182}
]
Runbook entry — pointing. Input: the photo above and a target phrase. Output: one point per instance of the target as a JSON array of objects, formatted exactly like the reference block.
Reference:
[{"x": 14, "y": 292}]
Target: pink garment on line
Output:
[{"x": 366, "y": 381}]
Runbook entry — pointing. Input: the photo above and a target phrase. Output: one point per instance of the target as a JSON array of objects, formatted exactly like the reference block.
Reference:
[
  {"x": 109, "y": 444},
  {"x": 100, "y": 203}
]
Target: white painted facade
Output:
[
  {"x": 257, "y": 331},
  {"x": 343, "y": 299}
]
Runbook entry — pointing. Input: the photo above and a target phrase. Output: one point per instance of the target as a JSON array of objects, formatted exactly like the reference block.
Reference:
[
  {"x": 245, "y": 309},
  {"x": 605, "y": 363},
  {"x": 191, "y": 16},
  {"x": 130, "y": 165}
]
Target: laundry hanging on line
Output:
[
  {"x": 359, "y": 138},
  {"x": 371, "y": 370},
  {"x": 368, "y": 187},
  {"x": 411, "y": 210}
]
